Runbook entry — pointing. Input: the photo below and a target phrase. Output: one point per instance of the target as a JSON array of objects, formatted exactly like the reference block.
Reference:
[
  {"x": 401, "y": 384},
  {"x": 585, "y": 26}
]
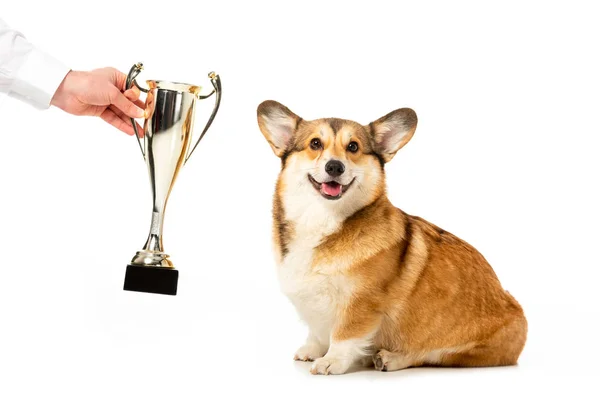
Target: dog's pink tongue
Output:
[{"x": 331, "y": 188}]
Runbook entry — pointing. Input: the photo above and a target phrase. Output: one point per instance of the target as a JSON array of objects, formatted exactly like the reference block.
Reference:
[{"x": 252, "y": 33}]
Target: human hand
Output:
[{"x": 99, "y": 93}]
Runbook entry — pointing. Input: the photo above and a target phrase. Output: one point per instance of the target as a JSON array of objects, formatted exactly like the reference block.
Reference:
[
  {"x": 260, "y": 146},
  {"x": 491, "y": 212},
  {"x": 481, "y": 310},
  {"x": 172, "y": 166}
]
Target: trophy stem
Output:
[
  {"x": 154, "y": 242},
  {"x": 153, "y": 254}
]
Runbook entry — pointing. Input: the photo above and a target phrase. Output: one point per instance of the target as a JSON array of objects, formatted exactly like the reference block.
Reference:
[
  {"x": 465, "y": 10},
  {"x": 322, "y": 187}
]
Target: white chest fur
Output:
[{"x": 316, "y": 291}]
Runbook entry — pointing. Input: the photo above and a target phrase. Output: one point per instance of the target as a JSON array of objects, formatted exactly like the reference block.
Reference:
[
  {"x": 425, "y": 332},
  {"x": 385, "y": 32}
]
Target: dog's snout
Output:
[{"x": 334, "y": 167}]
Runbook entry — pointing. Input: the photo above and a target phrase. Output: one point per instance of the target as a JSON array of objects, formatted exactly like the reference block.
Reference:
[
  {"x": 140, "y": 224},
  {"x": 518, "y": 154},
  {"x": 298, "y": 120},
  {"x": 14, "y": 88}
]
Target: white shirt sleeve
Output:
[{"x": 26, "y": 72}]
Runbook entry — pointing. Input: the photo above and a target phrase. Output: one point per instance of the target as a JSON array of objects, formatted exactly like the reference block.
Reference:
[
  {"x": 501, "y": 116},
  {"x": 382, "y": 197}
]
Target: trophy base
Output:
[{"x": 151, "y": 280}]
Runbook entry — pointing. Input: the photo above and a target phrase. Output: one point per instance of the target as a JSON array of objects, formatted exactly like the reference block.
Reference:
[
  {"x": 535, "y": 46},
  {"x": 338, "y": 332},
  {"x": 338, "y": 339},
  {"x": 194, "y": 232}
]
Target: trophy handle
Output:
[
  {"x": 216, "y": 82},
  {"x": 133, "y": 73}
]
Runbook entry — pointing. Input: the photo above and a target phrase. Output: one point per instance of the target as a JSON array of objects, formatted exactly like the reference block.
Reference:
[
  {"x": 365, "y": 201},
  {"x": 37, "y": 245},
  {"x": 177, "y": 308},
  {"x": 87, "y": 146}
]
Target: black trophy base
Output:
[{"x": 151, "y": 280}]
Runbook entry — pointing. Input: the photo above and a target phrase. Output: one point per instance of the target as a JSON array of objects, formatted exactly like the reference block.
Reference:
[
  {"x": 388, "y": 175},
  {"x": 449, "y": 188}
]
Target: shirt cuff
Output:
[{"x": 38, "y": 78}]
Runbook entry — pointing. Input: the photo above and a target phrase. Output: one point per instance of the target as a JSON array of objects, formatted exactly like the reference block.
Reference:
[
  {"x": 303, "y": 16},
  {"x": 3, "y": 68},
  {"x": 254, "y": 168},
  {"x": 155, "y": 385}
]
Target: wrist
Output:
[{"x": 61, "y": 90}]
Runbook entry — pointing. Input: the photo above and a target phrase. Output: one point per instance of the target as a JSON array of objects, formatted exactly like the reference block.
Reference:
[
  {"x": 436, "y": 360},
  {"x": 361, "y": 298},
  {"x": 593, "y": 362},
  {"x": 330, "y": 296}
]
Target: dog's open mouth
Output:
[{"x": 330, "y": 190}]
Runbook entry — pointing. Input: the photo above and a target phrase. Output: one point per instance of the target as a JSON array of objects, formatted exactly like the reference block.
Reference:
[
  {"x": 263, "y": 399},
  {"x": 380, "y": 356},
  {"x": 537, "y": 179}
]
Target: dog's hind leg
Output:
[
  {"x": 502, "y": 348},
  {"x": 387, "y": 361}
]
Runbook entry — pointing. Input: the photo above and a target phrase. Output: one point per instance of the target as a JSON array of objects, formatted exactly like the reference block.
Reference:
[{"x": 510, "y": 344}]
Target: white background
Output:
[{"x": 505, "y": 156}]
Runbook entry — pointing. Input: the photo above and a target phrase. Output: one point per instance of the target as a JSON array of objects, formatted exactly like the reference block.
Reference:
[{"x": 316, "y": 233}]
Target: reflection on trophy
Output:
[{"x": 166, "y": 146}]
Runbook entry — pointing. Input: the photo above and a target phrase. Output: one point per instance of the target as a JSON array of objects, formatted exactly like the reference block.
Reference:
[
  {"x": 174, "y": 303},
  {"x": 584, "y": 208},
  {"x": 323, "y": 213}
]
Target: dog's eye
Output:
[
  {"x": 352, "y": 147},
  {"x": 315, "y": 144}
]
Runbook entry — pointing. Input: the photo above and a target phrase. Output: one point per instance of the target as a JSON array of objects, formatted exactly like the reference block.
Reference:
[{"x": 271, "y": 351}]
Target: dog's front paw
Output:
[
  {"x": 309, "y": 352},
  {"x": 329, "y": 366}
]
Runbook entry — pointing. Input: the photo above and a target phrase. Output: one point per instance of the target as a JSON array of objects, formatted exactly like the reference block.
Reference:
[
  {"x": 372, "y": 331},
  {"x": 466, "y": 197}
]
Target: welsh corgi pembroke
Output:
[{"x": 375, "y": 285}]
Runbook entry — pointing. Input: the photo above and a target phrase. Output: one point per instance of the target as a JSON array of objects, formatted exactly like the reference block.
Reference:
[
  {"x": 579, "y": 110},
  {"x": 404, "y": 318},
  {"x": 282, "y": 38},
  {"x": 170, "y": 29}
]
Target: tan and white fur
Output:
[{"x": 375, "y": 285}]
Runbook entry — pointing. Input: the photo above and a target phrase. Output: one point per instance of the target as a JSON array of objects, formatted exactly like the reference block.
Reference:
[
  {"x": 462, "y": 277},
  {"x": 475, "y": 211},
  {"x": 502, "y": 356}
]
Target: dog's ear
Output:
[
  {"x": 392, "y": 131},
  {"x": 278, "y": 124}
]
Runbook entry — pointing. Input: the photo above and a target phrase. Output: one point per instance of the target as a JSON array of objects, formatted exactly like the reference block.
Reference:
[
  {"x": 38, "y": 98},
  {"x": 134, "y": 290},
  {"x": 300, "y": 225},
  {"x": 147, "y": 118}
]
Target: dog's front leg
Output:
[
  {"x": 350, "y": 341},
  {"x": 312, "y": 349}
]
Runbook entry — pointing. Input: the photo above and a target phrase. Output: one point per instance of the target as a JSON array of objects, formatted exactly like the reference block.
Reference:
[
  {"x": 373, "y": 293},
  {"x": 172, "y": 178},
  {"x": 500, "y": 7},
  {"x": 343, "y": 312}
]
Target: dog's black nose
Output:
[{"x": 334, "y": 167}]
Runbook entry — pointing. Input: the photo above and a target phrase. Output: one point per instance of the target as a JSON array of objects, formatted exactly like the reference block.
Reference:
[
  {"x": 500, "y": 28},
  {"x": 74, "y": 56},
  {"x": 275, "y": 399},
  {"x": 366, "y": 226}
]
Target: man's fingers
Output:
[
  {"x": 127, "y": 120},
  {"x": 122, "y": 103},
  {"x": 134, "y": 91},
  {"x": 135, "y": 98},
  {"x": 118, "y": 78},
  {"x": 109, "y": 116}
]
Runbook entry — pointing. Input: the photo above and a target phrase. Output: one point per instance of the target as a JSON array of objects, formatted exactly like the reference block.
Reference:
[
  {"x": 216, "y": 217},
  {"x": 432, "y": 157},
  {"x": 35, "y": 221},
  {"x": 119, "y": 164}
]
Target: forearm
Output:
[{"x": 27, "y": 73}]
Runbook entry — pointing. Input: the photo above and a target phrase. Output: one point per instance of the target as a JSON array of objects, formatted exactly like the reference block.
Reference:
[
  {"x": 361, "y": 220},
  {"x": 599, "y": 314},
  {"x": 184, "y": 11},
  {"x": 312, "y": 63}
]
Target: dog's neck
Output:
[
  {"x": 312, "y": 215},
  {"x": 308, "y": 223}
]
